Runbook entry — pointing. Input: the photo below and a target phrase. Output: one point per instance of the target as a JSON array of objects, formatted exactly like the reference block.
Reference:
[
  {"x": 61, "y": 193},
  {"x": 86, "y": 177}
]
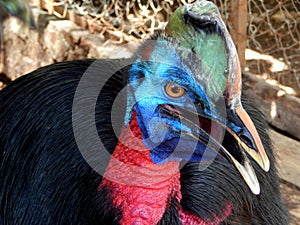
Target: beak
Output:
[
  {"x": 240, "y": 139},
  {"x": 249, "y": 139}
]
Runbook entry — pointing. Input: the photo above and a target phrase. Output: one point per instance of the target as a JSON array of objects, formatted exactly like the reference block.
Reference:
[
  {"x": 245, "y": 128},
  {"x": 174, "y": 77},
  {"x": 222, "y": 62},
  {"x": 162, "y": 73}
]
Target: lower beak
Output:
[{"x": 249, "y": 142}]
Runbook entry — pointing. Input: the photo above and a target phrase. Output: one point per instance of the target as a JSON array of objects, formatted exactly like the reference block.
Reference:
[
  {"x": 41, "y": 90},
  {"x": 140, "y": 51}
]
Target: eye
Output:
[{"x": 174, "y": 90}]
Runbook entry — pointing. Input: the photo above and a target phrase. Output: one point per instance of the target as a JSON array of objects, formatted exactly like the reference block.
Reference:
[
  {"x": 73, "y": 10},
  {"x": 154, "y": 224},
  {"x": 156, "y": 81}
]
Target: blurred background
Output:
[{"x": 266, "y": 34}]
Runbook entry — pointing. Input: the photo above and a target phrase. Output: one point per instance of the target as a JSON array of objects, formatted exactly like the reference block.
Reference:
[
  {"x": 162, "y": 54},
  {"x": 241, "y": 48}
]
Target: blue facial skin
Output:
[{"x": 161, "y": 134}]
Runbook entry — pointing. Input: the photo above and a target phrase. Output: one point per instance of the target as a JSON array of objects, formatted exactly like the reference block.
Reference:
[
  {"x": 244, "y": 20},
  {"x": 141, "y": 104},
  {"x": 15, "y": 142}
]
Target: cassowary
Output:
[{"x": 160, "y": 138}]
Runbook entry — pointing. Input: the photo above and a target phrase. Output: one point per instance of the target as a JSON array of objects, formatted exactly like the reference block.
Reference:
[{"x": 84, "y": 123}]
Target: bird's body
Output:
[
  {"x": 45, "y": 179},
  {"x": 78, "y": 149}
]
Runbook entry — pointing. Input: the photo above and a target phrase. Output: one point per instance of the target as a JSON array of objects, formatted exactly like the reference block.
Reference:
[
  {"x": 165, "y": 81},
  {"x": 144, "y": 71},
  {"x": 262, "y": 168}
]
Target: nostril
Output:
[{"x": 204, "y": 22}]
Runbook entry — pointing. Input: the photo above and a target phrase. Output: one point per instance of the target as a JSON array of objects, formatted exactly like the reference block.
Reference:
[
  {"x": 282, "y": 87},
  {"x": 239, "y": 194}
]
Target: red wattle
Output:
[{"x": 140, "y": 189}]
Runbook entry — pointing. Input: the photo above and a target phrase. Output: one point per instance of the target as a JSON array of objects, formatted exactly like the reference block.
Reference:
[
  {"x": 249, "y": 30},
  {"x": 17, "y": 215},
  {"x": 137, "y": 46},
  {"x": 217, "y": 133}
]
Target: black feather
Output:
[
  {"x": 45, "y": 179},
  {"x": 171, "y": 215}
]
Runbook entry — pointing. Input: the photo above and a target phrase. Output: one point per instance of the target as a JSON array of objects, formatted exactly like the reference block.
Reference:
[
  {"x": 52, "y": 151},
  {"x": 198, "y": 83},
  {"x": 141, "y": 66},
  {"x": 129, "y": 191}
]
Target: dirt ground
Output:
[{"x": 291, "y": 196}]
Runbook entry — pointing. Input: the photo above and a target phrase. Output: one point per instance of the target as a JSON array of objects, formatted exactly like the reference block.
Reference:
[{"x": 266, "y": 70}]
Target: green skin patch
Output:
[{"x": 210, "y": 49}]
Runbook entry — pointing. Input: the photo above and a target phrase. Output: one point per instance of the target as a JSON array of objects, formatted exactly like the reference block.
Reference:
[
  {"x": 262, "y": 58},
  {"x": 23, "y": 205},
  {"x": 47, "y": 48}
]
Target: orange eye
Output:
[{"x": 174, "y": 90}]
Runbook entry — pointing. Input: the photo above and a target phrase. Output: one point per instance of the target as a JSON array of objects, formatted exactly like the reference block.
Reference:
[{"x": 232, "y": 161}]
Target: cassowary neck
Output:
[{"x": 140, "y": 189}]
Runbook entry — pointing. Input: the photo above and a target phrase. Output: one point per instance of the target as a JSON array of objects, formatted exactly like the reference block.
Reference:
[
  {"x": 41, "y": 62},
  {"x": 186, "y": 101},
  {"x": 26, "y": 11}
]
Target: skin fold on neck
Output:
[{"x": 141, "y": 189}]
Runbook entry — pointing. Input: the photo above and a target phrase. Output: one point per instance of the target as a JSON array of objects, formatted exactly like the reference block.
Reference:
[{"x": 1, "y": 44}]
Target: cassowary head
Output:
[{"x": 185, "y": 91}]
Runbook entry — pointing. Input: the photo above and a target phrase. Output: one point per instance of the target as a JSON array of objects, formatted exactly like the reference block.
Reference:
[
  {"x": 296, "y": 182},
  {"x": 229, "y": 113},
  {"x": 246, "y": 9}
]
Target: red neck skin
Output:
[{"x": 141, "y": 189}]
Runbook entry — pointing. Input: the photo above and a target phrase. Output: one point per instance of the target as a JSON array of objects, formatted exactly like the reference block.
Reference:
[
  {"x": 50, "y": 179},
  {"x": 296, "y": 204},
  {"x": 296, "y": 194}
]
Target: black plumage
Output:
[{"x": 45, "y": 180}]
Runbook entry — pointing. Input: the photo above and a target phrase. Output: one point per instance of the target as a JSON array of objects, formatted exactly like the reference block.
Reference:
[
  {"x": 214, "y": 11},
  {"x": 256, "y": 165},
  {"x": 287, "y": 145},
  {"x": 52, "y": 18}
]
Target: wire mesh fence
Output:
[{"x": 273, "y": 28}]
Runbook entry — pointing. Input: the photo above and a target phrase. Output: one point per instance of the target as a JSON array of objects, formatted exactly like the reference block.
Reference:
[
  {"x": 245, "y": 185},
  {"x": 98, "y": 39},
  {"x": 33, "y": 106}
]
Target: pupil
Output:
[{"x": 175, "y": 89}]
